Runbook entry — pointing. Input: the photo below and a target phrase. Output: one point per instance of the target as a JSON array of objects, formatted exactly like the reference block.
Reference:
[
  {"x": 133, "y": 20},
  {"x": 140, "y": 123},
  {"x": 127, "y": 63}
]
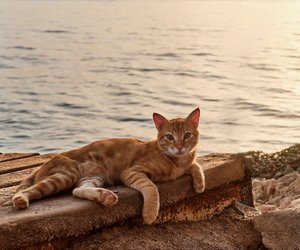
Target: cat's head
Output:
[{"x": 177, "y": 137}]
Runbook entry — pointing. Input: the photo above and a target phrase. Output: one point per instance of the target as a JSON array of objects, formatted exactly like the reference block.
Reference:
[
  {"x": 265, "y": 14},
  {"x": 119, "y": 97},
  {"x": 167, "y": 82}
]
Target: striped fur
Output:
[{"x": 137, "y": 164}]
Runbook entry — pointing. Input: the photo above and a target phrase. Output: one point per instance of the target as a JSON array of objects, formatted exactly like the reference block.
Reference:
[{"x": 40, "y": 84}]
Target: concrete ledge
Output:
[{"x": 65, "y": 216}]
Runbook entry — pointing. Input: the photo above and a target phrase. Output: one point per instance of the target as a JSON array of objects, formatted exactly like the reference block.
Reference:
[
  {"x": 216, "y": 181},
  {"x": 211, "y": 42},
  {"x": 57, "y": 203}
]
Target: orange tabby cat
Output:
[{"x": 137, "y": 164}]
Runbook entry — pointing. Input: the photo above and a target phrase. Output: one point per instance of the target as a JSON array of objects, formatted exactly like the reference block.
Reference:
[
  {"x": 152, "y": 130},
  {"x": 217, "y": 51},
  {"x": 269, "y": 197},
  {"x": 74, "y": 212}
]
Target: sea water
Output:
[{"x": 72, "y": 72}]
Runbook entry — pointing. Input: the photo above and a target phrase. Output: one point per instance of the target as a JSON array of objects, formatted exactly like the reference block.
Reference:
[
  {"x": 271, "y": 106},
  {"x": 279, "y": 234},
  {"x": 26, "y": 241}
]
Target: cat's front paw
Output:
[
  {"x": 150, "y": 214},
  {"x": 198, "y": 178},
  {"x": 199, "y": 186}
]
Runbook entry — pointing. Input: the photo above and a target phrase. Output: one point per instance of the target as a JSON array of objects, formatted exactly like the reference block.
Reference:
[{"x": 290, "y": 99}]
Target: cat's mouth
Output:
[{"x": 177, "y": 152}]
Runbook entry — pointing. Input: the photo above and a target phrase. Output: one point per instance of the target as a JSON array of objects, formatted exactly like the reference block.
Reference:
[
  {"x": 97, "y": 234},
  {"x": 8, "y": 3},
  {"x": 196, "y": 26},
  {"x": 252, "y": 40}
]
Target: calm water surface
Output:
[{"x": 75, "y": 71}]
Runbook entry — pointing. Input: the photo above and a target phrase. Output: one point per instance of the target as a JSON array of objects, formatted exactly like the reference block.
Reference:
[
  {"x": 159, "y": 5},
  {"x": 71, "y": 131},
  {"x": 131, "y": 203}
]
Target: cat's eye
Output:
[
  {"x": 187, "y": 135},
  {"x": 170, "y": 137}
]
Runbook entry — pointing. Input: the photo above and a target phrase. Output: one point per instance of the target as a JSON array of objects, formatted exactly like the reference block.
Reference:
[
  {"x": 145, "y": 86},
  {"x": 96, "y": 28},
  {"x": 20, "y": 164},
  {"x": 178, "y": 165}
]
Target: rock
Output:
[
  {"x": 260, "y": 164},
  {"x": 273, "y": 194},
  {"x": 284, "y": 171},
  {"x": 288, "y": 170},
  {"x": 279, "y": 229}
]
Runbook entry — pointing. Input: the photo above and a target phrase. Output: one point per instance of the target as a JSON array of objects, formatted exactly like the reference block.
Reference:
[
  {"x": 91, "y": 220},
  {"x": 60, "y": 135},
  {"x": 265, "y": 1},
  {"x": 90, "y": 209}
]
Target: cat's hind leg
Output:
[
  {"x": 90, "y": 188},
  {"x": 48, "y": 185}
]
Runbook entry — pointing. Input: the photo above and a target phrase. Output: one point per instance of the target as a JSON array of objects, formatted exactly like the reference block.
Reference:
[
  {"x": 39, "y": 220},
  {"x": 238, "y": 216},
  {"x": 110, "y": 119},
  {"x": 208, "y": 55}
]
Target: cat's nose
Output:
[{"x": 179, "y": 148}]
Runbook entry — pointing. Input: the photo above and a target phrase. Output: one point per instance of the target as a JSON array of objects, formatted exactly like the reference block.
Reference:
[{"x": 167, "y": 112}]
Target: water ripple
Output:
[
  {"x": 177, "y": 103},
  {"x": 5, "y": 66},
  {"x": 185, "y": 74},
  {"x": 69, "y": 105},
  {"x": 167, "y": 54},
  {"x": 22, "y": 48},
  {"x": 203, "y": 54},
  {"x": 262, "y": 66},
  {"x": 142, "y": 69},
  {"x": 129, "y": 119},
  {"x": 265, "y": 110},
  {"x": 278, "y": 90},
  {"x": 56, "y": 31}
]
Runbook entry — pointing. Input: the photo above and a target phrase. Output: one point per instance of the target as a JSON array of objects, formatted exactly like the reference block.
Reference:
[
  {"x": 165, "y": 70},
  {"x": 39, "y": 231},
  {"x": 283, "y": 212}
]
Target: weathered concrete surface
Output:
[{"x": 63, "y": 216}]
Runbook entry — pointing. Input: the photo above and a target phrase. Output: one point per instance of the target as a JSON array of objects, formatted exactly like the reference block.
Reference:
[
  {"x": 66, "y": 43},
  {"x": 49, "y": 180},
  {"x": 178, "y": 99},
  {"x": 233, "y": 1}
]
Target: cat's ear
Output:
[
  {"x": 159, "y": 121},
  {"x": 194, "y": 117}
]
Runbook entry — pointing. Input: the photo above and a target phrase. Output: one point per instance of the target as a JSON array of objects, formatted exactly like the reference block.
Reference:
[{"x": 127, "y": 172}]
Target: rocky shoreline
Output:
[{"x": 277, "y": 199}]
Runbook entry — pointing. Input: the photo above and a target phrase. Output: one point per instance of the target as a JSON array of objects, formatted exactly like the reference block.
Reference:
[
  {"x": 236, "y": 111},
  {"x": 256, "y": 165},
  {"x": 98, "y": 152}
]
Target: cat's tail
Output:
[{"x": 28, "y": 182}]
